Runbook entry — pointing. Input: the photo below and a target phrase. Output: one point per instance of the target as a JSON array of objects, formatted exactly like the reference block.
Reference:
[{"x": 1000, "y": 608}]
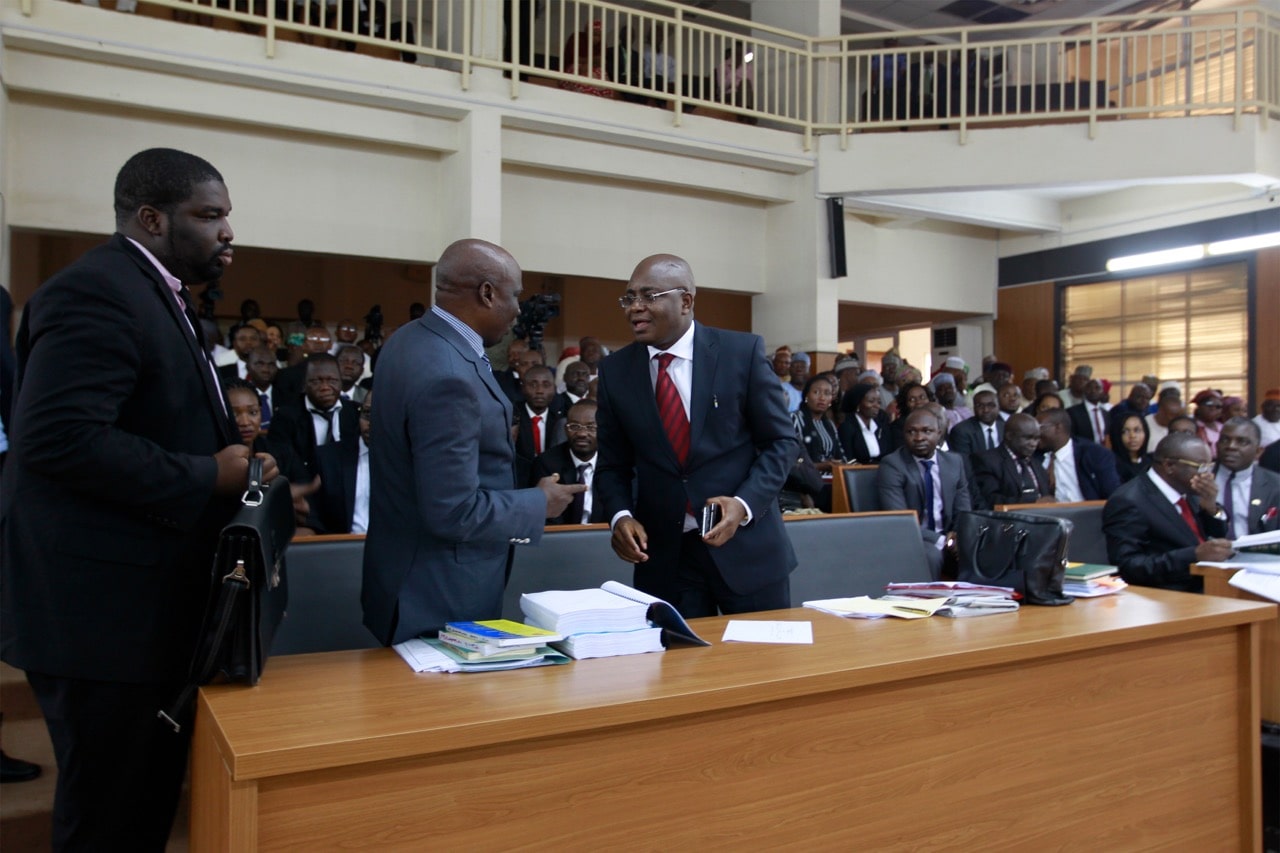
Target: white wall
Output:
[{"x": 936, "y": 265}]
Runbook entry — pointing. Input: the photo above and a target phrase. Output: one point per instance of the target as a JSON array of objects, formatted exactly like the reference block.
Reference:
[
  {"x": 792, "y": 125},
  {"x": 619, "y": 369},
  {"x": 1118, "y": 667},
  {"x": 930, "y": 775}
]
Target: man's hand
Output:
[
  {"x": 558, "y": 496},
  {"x": 630, "y": 541},
  {"x": 269, "y": 468},
  {"x": 1214, "y": 551},
  {"x": 300, "y": 492},
  {"x": 732, "y": 514},
  {"x": 1205, "y": 487},
  {"x": 233, "y": 470}
]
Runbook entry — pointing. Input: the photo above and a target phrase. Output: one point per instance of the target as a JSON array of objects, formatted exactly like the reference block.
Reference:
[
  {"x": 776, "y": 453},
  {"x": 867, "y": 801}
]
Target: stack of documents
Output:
[
  {"x": 428, "y": 654},
  {"x": 580, "y": 611},
  {"x": 612, "y": 620},
  {"x": 865, "y": 607},
  {"x": 1259, "y": 573},
  {"x": 1091, "y": 580},
  {"x": 963, "y": 599},
  {"x": 612, "y": 643}
]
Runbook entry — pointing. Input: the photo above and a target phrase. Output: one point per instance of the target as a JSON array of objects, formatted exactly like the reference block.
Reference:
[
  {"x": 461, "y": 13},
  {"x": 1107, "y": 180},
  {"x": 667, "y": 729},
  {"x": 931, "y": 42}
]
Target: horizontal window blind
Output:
[{"x": 1190, "y": 327}]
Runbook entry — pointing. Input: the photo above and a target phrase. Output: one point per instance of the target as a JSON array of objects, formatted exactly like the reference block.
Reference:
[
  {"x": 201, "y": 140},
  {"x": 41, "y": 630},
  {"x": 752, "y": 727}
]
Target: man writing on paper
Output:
[
  {"x": 713, "y": 430},
  {"x": 444, "y": 512}
]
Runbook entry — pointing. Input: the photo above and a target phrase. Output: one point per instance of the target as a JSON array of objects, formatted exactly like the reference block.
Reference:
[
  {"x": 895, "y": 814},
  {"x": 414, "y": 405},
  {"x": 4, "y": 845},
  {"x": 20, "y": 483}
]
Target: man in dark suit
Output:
[
  {"x": 576, "y": 461},
  {"x": 1009, "y": 474},
  {"x": 983, "y": 431},
  {"x": 938, "y": 500},
  {"x": 509, "y": 379},
  {"x": 1089, "y": 418},
  {"x": 343, "y": 505},
  {"x": 1249, "y": 494},
  {"x": 291, "y": 381},
  {"x": 713, "y": 430},
  {"x": 537, "y": 423},
  {"x": 244, "y": 340},
  {"x": 320, "y": 421},
  {"x": 1161, "y": 522},
  {"x": 443, "y": 508},
  {"x": 1078, "y": 469},
  {"x": 124, "y": 466}
]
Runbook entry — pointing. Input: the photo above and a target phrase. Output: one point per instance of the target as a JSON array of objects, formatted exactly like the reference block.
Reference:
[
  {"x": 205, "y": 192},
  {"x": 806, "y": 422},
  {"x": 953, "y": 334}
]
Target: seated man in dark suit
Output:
[
  {"x": 983, "y": 431},
  {"x": 342, "y": 506},
  {"x": 1249, "y": 494},
  {"x": 321, "y": 420},
  {"x": 262, "y": 375},
  {"x": 519, "y": 359},
  {"x": 1009, "y": 474},
  {"x": 1089, "y": 418},
  {"x": 931, "y": 482},
  {"x": 351, "y": 368},
  {"x": 290, "y": 384},
  {"x": 575, "y": 462},
  {"x": 1078, "y": 469},
  {"x": 536, "y": 421},
  {"x": 244, "y": 340},
  {"x": 1161, "y": 522}
]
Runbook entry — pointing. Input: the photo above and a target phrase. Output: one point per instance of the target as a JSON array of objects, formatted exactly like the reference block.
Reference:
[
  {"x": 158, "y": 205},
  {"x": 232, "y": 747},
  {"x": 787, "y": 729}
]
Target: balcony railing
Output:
[{"x": 1224, "y": 61}]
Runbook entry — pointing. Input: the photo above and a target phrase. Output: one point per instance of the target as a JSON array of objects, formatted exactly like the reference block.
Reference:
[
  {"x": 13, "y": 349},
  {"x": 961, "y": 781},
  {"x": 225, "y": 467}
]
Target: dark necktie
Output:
[
  {"x": 184, "y": 300},
  {"x": 537, "y": 436},
  {"x": 931, "y": 521},
  {"x": 1185, "y": 509},
  {"x": 991, "y": 438},
  {"x": 1098, "y": 427},
  {"x": 1030, "y": 487},
  {"x": 674, "y": 421},
  {"x": 1228, "y": 503},
  {"x": 328, "y": 421},
  {"x": 1053, "y": 481},
  {"x": 577, "y": 507},
  {"x": 264, "y": 405}
]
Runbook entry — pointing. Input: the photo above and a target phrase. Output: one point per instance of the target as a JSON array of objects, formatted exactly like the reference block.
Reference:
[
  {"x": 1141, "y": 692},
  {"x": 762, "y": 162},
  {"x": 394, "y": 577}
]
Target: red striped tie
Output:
[
  {"x": 1184, "y": 508},
  {"x": 674, "y": 421}
]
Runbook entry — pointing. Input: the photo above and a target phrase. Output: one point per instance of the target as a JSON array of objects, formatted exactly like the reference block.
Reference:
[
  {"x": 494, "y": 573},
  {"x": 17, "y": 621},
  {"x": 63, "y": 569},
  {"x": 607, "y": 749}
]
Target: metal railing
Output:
[{"x": 673, "y": 57}]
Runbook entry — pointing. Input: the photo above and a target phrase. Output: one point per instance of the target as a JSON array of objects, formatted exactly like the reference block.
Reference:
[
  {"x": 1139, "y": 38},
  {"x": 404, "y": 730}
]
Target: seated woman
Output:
[
  {"x": 584, "y": 55},
  {"x": 814, "y": 425},
  {"x": 911, "y": 396},
  {"x": 242, "y": 402},
  {"x": 1046, "y": 401},
  {"x": 1130, "y": 447},
  {"x": 862, "y": 435}
]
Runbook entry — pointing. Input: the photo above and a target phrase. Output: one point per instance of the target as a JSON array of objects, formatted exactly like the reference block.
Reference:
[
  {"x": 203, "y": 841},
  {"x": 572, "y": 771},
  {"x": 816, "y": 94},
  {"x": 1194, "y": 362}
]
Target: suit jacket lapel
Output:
[
  {"x": 706, "y": 354},
  {"x": 203, "y": 364},
  {"x": 484, "y": 372},
  {"x": 1167, "y": 513}
]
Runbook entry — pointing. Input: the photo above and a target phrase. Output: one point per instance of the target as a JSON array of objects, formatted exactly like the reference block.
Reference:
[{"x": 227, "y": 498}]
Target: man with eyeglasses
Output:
[
  {"x": 690, "y": 416},
  {"x": 575, "y": 461},
  {"x": 1159, "y": 523}
]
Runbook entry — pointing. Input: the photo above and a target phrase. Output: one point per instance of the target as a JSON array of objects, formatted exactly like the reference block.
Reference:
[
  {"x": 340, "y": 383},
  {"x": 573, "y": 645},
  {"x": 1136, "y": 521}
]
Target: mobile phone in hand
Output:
[{"x": 710, "y": 517}]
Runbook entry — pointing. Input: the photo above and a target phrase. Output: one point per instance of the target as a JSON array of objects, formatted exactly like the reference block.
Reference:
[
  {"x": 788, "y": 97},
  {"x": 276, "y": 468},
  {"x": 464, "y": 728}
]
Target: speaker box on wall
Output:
[{"x": 835, "y": 237}]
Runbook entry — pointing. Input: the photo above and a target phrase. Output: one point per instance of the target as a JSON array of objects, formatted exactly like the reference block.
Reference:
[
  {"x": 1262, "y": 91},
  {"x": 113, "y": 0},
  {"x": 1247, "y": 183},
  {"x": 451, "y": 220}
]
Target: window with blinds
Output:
[{"x": 1190, "y": 327}]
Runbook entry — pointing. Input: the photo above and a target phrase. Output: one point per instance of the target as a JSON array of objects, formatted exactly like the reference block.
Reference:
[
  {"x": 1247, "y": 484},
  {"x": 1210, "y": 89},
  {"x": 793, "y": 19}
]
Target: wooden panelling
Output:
[
  {"x": 1023, "y": 328},
  {"x": 1267, "y": 318}
]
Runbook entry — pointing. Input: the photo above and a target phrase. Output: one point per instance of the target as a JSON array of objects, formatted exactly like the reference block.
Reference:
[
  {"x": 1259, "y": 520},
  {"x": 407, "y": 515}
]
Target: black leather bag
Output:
[
  {"x": 1017, "y": 549},
  {"x": 248, "y": 593}
]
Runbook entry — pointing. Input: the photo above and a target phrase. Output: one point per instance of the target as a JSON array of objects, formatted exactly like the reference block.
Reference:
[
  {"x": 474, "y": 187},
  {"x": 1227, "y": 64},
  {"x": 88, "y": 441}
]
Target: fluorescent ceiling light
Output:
[
  {"x": 1155, "y": 259},
  {"x": 1245, "y": 244}
]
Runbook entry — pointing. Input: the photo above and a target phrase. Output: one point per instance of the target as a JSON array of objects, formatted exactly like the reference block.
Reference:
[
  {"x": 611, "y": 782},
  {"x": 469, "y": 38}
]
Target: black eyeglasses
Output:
[
  {"x": 1201, "y": 467},
  {"x": 647, "y": 298},
  {"x": 577, "y": 428}
]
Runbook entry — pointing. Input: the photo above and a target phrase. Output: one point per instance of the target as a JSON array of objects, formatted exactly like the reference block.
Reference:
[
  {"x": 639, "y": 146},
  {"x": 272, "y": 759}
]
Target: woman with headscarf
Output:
[
  {"x": 1208, "y": 418},
  {"x": 584, "y": 55}
]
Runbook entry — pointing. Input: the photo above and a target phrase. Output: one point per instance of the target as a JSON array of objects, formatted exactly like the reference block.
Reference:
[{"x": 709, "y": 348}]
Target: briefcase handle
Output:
[{"x": 253, "y": 492}]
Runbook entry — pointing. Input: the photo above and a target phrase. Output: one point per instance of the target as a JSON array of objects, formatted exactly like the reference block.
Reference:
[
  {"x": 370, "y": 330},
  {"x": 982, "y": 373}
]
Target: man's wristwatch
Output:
[{"x": 1220, "y": 515}]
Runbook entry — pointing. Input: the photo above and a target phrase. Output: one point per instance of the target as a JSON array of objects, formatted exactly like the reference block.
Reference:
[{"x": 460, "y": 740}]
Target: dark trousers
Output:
[
  {"x": 120, "y": 769},
  {"x": 701, "y": 591}
]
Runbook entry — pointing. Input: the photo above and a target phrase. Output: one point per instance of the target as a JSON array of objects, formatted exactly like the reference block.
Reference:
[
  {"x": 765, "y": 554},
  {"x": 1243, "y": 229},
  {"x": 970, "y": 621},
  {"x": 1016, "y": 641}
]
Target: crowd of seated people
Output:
[{"x": 305, "y": 393}]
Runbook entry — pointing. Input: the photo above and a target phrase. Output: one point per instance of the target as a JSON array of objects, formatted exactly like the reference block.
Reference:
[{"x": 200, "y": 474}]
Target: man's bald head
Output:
[
  {"x": 479, "y": 283},
  {"x": 666, "y": 268}
]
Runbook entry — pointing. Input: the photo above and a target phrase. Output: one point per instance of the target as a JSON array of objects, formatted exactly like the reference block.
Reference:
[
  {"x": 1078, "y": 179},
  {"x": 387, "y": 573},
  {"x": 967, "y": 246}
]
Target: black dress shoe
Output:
[{"x": 16, "y": 770}]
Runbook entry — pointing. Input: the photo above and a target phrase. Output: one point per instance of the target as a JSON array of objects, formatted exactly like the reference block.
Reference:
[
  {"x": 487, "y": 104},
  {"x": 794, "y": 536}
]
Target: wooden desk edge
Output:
[{"x": 243, "y": 766}]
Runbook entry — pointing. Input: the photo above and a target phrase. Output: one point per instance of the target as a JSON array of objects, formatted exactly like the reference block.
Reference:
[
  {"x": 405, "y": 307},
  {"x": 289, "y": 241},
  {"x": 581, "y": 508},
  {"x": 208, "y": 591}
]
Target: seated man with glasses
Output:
[
  {"x": 1161, "y": 522},
  {"x": 575, "y": 462}
]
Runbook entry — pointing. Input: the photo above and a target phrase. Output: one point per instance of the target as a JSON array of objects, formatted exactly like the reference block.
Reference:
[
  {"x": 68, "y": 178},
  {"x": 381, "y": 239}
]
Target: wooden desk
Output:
[
  {"x": 1218, "y": 582},
  {"x": 1117, "y": 723}
]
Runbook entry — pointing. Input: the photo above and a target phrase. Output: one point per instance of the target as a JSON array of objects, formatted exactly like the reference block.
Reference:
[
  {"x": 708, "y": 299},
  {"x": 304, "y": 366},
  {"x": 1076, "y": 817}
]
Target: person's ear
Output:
[
  {"x": 152, "y": 220},
  {"x": 486, "y": 293}
]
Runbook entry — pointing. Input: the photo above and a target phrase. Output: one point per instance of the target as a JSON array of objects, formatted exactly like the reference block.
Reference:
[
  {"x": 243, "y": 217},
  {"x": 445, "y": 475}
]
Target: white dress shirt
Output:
[
  {"x": 360, "y": 512},
  {"x": 586, "y": 476},
  {"x": 1241, "y": 486},
  {"x": 1066, "y": 482}
]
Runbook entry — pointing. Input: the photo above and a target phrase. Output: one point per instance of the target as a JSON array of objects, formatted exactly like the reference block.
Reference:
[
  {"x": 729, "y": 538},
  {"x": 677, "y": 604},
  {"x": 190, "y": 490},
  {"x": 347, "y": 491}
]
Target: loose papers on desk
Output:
[
  {"x": 1258, "y": 574},
  {"x": 430, "y": 655},
  {"x": 866, "y": 607},
  {"x": 963, "y": 599}
]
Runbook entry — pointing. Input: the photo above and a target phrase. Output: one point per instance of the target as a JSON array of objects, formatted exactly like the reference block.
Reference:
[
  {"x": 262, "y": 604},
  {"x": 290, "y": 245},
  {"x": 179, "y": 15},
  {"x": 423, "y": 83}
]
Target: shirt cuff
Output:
[
  {"x": 613, "y": 522},
  {"x": 748, "y": 510}
]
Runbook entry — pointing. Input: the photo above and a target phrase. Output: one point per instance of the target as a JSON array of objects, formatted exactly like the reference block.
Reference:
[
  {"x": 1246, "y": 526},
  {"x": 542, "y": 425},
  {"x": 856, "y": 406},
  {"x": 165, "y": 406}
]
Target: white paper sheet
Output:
[
  {"x": 744, "y": 631},
  {"x": 1264, "y": 585}
]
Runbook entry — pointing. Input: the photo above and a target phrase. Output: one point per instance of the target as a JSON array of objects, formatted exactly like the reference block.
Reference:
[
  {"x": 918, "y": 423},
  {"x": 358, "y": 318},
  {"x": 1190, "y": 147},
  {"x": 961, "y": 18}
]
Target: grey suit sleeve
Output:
[{"x": 448, "y": 446}]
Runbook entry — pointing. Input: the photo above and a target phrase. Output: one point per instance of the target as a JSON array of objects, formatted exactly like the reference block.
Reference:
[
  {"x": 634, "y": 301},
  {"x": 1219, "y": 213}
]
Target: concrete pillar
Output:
[{"x": 471, "y": 185}]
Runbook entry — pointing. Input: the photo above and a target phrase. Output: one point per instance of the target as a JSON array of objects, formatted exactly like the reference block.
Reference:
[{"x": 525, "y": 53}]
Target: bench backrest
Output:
[
  {"x": 1087, "y": 544},
  {"x": 855, "y": 554},
  {"x": 839, "y": 555},
  {"x": 853, "y": 489}
]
